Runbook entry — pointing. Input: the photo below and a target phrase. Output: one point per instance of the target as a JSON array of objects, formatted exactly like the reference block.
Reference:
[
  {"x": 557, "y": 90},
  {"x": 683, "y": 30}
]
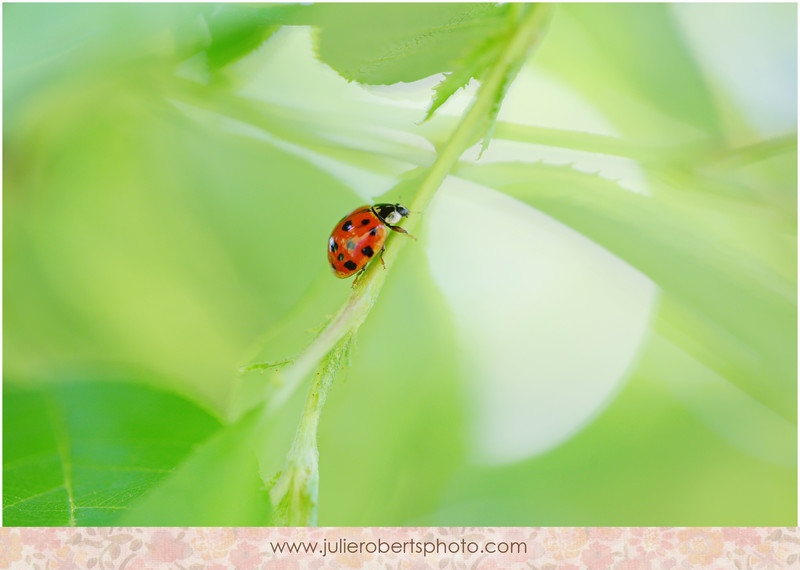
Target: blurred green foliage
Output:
[{"x": 165, "y": 211}]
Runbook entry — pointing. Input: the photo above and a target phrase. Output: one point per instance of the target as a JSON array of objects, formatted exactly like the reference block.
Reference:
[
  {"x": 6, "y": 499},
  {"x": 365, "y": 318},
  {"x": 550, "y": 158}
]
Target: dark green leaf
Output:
[
  {"x": 79, "y": 453},
  {"x": 238, "y": 29}
]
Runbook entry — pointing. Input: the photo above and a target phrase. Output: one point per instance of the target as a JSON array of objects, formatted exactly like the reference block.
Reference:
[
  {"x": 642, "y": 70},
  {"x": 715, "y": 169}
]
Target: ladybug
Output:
[{"x": 360, "y": 234}]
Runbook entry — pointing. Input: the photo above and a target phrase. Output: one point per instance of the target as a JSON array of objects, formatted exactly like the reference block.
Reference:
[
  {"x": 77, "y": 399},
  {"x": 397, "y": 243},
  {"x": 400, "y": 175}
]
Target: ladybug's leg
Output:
[
  {"x": 401, "y": 230},
  {"x": 358, "y": 276},
  {"x": 383, "y": 248}
]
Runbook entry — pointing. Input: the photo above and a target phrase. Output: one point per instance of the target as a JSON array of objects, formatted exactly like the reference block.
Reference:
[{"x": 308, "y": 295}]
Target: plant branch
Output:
[
  {"x": 366, "y": 290},
  {"x": 296, "y": 490},
  {"x": 294, "y": 493}
]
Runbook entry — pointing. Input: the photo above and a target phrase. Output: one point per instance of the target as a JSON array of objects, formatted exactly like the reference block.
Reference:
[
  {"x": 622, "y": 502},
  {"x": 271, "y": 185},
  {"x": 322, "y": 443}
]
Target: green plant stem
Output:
[
  {"x": 467, "y": 132},
  {"x": 295, "y": 491},
  {"x": 366, "y": 290},
  {"x": 743, "y": 156},
  {"x": 297, "y": 488}
]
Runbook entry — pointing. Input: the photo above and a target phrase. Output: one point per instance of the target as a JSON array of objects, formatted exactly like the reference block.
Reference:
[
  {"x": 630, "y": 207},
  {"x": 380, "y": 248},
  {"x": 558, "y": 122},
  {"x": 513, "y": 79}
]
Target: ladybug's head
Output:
[{"x": 390, "y": 213}]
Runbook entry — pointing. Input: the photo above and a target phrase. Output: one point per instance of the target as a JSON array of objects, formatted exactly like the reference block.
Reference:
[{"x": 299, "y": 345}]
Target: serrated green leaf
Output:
[
  {"x": 683, "y": 252},
  {"x": 499, "y": 95},
  {"x": 388, "y": 43},
  {"x": 472, "y": 65},
  {"x": 543, "y": 14},
  {"x": 80, "y": 453},
  {"x": 446, "y": 88},
  {"x": 262, "y": 366},
  {"x": 492, "y": 58}
]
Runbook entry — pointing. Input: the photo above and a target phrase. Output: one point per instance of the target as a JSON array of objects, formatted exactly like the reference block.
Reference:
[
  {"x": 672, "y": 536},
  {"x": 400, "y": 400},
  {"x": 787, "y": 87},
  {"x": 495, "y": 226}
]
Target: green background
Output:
[{"x": 172, "y": 173}]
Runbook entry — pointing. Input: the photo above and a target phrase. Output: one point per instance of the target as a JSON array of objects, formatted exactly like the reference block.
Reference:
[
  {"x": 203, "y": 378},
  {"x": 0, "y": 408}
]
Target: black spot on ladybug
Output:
[
  {"x": 347, "y": 225},
  {"x": 367, "y": 251},
  {"x": 374, "y": 231},
  {"x": 365, "y": 221},
  {"x": 333, "y": 267},
  {"x": 351, "y": 245},
  {"x": 333, "y": 245},
  {"x": 341, "y": 257},
  {"x": 350, "y": 265}
]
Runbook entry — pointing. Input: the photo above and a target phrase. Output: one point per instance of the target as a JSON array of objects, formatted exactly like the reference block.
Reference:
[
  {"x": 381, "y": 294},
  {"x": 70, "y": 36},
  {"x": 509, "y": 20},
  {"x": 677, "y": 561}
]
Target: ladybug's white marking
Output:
[{"x": 393, "y": 217}]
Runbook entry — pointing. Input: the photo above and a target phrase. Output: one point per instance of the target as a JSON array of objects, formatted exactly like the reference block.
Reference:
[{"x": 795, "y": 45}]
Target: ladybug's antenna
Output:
[{"x": 400, "y": 201}]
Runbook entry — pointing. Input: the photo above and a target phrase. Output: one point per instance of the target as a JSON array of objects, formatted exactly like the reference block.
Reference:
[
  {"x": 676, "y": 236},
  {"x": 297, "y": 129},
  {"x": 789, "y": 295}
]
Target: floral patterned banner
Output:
[{"x": 486, "y": 548}]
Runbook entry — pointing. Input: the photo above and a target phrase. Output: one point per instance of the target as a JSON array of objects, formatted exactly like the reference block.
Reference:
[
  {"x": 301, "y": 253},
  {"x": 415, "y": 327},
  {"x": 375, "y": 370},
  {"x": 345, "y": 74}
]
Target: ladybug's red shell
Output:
[{"x": 355, "y": 240}]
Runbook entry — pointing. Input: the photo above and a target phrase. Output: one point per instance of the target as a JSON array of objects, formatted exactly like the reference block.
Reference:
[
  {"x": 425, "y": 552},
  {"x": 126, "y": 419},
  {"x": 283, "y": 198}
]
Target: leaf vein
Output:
[
  {"x": 36, "y": 496},
  {"x": 62, "y": 444}
]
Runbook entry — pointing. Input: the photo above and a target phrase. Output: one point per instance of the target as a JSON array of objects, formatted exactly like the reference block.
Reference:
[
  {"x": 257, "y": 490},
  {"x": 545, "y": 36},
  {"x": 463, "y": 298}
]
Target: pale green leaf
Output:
[
  {"x": 388, "y": 43},
  {"x": 683, "y": 252},
  {"x": 631, "y": 52},
  {"x": 647, "y": 460},
  {"x": 187, "y": 237},
  {"x": 217, "y": 485},
  {"x": 394, "y": 424}
]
